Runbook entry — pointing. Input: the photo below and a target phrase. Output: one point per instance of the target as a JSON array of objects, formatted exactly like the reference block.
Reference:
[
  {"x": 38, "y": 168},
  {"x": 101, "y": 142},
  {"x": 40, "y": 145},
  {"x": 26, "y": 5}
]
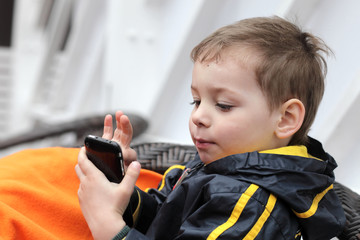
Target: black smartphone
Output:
[{"x": 106, "y": 156}]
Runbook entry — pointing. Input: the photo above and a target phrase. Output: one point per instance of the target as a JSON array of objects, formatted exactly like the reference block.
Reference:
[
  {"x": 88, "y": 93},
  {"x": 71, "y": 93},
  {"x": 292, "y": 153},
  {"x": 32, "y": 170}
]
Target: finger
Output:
[
  {"x": 118, "y": 130},
  {"x": 108, "y": 127},
  {"x": 127, "y": 131},
  {"x": 86, "y": 166},
  {"x": 78, "y": 171},
  {"x": 80, "y": 164},
  {"x": 82, "y": 154},
  {"x": 129, "y": 156},
  {"x": 118, "y": 114},
  {"x": 130, "y": 178}
]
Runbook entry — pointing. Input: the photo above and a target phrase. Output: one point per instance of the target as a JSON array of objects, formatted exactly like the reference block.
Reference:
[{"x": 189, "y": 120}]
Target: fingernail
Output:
[{"x": 136, "y": 164}]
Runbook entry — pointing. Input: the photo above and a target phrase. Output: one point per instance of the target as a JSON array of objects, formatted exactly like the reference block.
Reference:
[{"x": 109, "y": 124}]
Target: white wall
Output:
[
  {"x": 134, "y": 55},
  {"x": 338, "y": 117},
  {"x": 162, "y": 92}
]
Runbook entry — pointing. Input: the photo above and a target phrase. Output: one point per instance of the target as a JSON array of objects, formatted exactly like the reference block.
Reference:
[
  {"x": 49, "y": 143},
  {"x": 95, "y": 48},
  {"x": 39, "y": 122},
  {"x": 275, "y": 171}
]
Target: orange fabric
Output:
[
  {"x": 38, "y": 195},
  {"x": 148, "y": 179}
]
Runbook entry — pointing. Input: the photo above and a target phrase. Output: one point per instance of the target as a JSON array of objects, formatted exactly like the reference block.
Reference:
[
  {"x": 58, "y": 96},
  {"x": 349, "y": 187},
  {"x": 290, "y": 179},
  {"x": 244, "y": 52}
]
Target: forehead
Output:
[
  {"x": 226, "y": 74},
  {"x": 240, "y": 59}
]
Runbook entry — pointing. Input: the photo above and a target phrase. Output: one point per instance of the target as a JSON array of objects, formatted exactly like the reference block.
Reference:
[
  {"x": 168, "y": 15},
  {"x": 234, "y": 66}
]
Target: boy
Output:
[{"x": 256, "y": 88}]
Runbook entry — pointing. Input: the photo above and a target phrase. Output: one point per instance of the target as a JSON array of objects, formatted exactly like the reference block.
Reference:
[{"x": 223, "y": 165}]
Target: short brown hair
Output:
[{"x": 291, "y": 63}]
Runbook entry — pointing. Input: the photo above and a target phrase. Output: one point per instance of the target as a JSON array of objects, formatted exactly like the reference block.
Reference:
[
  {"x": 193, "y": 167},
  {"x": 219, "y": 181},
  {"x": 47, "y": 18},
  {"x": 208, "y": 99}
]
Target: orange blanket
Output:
[{"x": 38, "y": 195}]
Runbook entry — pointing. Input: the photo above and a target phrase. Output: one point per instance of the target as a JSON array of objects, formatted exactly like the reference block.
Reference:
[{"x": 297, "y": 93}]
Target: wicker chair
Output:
[
  {"x": 351, "y": 204},
  {"x": 78, "y": 127}
]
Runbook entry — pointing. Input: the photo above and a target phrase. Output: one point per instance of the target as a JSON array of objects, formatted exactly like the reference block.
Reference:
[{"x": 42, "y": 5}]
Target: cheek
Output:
[
  {"x": 236, "y": 130},
  {"x": 191, "y": 127},
  {"x": 230, "y": 138},
  {"x": 229, "y": 132},
  {"x": 190, "y": 123}
]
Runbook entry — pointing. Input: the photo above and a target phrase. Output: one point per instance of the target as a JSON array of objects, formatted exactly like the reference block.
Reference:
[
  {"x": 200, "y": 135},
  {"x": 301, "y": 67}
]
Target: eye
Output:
[
  {"x": 195, "y": 102},
  {"x": 224, "y": 107}
]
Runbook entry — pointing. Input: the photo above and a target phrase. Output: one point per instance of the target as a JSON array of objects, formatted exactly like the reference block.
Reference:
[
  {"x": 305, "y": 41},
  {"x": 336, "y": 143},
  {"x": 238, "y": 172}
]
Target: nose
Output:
[{"x": 200, "y": 116}]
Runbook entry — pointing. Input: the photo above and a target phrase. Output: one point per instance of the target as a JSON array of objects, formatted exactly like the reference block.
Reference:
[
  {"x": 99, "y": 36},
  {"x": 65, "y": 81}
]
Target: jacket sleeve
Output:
[{"x": 144, "y": 205}]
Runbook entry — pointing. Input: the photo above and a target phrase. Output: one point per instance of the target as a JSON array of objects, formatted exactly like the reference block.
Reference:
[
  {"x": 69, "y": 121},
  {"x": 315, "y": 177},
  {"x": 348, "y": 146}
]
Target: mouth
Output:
[{"x": 202, "y": 143}]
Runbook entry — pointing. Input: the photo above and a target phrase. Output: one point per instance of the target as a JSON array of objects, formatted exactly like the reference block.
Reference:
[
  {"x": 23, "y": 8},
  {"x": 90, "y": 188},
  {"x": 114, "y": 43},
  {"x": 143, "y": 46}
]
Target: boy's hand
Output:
[
  {"x": 122, "y": 135},
  {"x": 103, "y": 203}
]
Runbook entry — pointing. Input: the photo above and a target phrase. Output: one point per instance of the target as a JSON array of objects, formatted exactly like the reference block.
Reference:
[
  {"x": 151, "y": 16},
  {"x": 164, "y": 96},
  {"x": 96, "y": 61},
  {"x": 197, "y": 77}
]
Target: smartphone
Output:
[{"x": 106, "y": 156}]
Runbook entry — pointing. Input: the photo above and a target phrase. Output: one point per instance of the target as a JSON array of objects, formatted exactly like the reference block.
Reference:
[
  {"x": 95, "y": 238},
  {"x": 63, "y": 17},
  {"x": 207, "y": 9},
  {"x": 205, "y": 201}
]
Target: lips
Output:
[{"x": 202, "y": 143}]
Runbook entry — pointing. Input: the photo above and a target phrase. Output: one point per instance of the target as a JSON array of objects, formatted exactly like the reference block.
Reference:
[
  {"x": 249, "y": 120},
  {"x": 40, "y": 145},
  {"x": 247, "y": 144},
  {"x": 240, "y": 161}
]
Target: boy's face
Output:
[{"x": 230, "y": 114}]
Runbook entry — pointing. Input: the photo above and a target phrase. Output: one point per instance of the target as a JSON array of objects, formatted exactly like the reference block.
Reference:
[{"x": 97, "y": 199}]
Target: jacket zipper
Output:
[{"x": 186, "y": 173}]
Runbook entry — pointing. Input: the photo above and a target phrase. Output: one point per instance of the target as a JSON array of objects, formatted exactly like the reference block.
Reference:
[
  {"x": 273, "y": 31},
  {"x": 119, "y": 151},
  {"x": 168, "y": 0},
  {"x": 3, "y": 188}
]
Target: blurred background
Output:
[{"x": 62, "y": 60}]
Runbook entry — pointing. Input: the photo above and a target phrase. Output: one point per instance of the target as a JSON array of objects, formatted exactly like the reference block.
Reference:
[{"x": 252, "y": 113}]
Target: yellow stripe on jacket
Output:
[
  {"x": 235, "y": 215},
  {"x": 167, "y": 171},
  {"x": 315, "y": 204}
]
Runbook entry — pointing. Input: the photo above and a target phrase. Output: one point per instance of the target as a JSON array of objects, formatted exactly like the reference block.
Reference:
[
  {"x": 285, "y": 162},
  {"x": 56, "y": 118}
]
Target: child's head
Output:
[{"x": 285, "y": 63}]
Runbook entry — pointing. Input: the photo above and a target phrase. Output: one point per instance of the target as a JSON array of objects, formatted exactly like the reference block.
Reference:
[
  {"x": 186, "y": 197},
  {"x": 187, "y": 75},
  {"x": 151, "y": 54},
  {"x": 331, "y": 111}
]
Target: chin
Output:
[{"x": 206, "y": 158}]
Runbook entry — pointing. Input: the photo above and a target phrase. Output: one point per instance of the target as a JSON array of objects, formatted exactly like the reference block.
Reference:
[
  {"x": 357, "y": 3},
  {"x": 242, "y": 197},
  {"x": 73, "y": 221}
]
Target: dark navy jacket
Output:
[{"x": 283, "y": 193}]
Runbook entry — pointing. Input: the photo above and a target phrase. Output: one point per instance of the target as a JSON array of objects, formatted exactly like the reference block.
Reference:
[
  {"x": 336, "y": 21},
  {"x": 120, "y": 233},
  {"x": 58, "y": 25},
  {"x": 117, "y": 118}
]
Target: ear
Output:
[{"x": 291, "y": 118}]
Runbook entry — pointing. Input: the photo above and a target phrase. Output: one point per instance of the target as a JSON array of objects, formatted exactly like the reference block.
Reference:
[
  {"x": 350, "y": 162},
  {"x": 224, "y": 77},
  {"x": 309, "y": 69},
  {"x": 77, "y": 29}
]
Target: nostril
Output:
[
  {"x": 200, "y": 121},
  {"x": 195, "y": 120},
  {"x": 200, "y": 115}
]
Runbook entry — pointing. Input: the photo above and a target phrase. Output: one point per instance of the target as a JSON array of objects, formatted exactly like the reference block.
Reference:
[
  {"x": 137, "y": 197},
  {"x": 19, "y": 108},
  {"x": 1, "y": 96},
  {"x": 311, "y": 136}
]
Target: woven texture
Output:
[
  {"x": 160, "y": 156},
  {"x": 351, "y": 204}
]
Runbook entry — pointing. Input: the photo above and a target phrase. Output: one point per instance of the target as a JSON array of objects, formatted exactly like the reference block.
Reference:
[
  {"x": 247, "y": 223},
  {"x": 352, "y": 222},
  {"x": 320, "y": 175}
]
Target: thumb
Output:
[
  {"x": 127, "y": 185},
  {"x": 132, "y": 173}
]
